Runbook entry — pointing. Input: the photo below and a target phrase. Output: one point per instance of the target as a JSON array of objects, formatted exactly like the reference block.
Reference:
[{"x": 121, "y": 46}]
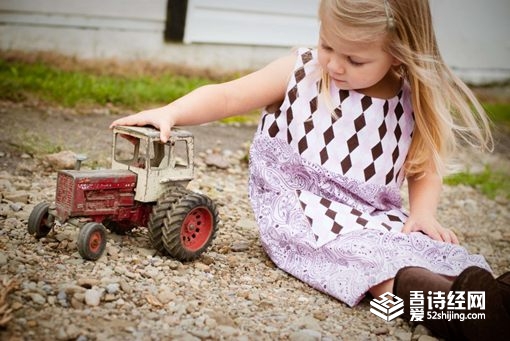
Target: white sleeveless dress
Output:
[{"x": 325, "y": 189}]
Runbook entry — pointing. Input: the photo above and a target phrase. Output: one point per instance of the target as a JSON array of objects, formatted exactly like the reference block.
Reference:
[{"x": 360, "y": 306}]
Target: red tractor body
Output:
[{"x": 99, "y": 195}]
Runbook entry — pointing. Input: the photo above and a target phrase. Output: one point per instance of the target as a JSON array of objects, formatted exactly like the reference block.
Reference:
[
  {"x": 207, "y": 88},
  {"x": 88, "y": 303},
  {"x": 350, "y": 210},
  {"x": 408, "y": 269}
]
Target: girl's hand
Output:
[
  {"x": 431, "y": 227},
  {"x": 158, "y": 118}
]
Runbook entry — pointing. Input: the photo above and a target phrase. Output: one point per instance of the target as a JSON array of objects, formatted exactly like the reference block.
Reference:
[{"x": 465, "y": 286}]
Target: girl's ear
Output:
[{"x": 396, "y": 62}]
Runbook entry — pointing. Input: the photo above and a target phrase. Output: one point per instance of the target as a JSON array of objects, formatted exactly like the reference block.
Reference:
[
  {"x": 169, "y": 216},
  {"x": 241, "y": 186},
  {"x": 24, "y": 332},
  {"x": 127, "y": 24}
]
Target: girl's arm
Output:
[
  {"x": 424, "y": 193},
  {"x": 212, "y": 102}
]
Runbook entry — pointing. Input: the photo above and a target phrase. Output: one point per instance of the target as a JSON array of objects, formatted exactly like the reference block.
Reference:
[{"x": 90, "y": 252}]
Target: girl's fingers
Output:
[{"x": 446, "y": 236}]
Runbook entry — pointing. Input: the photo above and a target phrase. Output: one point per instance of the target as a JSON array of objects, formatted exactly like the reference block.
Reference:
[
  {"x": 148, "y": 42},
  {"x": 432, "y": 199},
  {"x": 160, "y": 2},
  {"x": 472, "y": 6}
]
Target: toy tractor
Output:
[{"x": 146, "y": 186}]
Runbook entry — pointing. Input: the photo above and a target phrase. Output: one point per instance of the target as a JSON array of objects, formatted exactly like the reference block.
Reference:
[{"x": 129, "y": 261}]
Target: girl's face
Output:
[{"x": 354, "y": 65}]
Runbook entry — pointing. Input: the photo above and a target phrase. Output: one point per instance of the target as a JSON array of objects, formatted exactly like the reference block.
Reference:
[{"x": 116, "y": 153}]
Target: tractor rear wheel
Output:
[
  {"x": 39, "y": 223},
  {"x": 191, "y": 227},
  {"x": 159, "y": 213},
  {"x": 92, "y": 240}
]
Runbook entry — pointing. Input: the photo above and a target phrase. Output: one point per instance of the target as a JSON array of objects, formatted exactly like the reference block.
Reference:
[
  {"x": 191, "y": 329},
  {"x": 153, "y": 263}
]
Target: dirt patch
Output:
[{"x": 33, "y": 132}]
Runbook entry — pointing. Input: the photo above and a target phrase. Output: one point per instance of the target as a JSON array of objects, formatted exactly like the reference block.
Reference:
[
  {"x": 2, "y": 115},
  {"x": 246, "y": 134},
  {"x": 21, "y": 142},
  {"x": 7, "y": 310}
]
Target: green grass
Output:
[
  {"x": 498, "y": 112},
  {"x": 35, "y": 144},
  {"x": 491, "y": 183},
  {"x": 73, "y": 88}
]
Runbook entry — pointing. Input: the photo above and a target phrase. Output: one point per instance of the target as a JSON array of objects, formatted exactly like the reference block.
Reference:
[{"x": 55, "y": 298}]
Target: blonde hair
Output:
[{"x": 444, "y": 107}]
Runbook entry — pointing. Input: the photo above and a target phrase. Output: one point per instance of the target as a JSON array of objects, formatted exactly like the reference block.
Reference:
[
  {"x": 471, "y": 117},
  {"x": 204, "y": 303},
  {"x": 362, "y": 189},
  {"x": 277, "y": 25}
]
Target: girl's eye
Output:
[
  {"x": 353, "y": 62},
  {"x": 326, "y": 47}
]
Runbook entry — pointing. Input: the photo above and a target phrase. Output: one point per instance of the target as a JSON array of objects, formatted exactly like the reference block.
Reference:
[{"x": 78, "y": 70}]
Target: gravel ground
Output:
[{"x": 232, "y": 292}]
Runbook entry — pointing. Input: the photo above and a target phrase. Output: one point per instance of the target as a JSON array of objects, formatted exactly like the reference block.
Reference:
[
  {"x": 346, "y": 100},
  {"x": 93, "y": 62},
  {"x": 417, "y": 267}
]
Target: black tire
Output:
[
  {"x": 92, "y": 241},
  {"x": 159, "y": 213},
  {"x": 190, "y": 227},
  {"x": 39, "y": 224}
]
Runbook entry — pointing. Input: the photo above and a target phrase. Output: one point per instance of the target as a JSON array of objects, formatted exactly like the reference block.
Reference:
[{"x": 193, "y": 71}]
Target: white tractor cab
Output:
[{"x": 156, "y": 164}]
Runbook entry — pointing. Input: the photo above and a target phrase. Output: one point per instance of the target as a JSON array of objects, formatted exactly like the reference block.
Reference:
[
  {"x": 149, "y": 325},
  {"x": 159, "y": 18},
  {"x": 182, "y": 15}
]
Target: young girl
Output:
[{"x": 343, "y": 126}]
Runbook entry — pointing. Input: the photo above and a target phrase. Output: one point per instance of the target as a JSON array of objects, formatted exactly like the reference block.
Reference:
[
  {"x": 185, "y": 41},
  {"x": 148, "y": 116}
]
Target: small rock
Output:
[
  {"x": 216, "y": 160},
  {"x": 112, "y": 288},
  {"x": 63, "y": 160},
  {"x": 37, "y": 298},
  {"x": 240, "y": 246},
  {"x": 381, "y": 331},
  {"x": 320, "y": 315},
  {"x": 3, "y": 258},
  {"x": 17, "y": 197},
  {"x": 306, "y": 335},
  {"x": 93, "y": 297},
  {"x": 166, "y": 295},
  {"x": 15, "y": 207}
]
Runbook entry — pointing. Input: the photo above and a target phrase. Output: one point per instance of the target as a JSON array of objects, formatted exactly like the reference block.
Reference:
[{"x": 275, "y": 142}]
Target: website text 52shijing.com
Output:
[{"x": 450, "y": 315}]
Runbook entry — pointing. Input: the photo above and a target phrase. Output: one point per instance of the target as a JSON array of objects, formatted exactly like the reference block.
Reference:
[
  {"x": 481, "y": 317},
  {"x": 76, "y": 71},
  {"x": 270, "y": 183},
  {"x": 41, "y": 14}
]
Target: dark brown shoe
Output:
[
  {"x": 493, "y": 322},
  {"x": 420, "y": 279},
  {"x": 504, "y": 287}
]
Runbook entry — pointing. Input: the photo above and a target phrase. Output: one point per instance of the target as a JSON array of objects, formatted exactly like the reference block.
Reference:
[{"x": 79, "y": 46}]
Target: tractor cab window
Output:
[
  {"x": 179, "y": 156},
  {"x": 141, "y": 153},
  {"x": 131, "y": 150}
]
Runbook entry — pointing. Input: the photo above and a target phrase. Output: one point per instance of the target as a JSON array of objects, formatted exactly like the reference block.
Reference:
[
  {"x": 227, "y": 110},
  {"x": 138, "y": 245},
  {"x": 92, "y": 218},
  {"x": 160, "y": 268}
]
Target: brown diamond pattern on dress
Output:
[
  {"x": 343, "y": 95},
  {"x": 382, "y": 130},
  {"x": 273, "y": 129},
  {"x": 346, "y": 164},
  {"x": 398, "y": 132},
  {"x": 313, "y": 105},
  {"x": 329, "y": 135},
  {"x": 302, "y": 145},
  {"x": 388, "y": 227},
  {"x": 356, "y": 212},
  {"x": 289, "y": 116},
  {"x": 389, "y": 176},
  {"x": 386, "y": 108},
  {"x": 395, "y": 154},
  {"x": 352, "y": 143},
  {"x": 369, "y": 171},
  {"x": 308, "y": 125},
  {"x": 399, "y": 110},
  {"x": 362, "y": 221},
  {"x": 324, "y": 155},
  {"x": 306, "y": 57},
  {"x": 299, "y": 74},
  {"x": 366, "y": 102},
  {"x": 377, "y": 151},
  {"x": 394, "y": 218},
  {"x": 336, "y": 228},
  {"x": 325, "y": 202},
  {"x": 293, "y": 94},
  {"x": 337, "y": 114},
  {"x": 360, "y": 123},
  {"x": 331, "y": 214}
]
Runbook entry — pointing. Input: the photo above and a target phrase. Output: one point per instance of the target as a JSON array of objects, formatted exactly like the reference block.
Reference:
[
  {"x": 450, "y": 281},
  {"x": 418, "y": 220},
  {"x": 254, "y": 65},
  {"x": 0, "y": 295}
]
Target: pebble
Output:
[{"x": 93, "y": 297}]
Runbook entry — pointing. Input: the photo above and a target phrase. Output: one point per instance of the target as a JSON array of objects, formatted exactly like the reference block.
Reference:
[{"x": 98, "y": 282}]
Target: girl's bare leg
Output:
[{"x": 381, "y": 288}]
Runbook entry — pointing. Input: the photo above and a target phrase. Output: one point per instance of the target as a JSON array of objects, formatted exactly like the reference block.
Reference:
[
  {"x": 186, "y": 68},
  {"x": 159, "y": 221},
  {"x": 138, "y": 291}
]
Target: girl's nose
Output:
[{"x": 336, "y": 66}]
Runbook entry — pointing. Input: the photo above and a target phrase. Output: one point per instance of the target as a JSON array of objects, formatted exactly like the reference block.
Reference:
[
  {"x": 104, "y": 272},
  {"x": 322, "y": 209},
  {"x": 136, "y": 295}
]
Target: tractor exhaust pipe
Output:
[{"x": 79, "y": 159}]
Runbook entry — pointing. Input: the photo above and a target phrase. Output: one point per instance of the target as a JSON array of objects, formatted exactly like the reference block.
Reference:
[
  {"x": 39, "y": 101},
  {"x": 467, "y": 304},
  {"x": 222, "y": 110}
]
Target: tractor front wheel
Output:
[
  {"x": 190, "y": 227},
  {"x": 92, "y": 241},
  {"x": 39, "y": 221}
]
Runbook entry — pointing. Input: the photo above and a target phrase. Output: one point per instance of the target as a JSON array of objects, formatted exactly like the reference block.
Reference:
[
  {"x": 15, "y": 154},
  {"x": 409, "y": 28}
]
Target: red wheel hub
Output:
[
  {"x": 196, "y": 228},
  {"x": 95, "y": 241}
]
